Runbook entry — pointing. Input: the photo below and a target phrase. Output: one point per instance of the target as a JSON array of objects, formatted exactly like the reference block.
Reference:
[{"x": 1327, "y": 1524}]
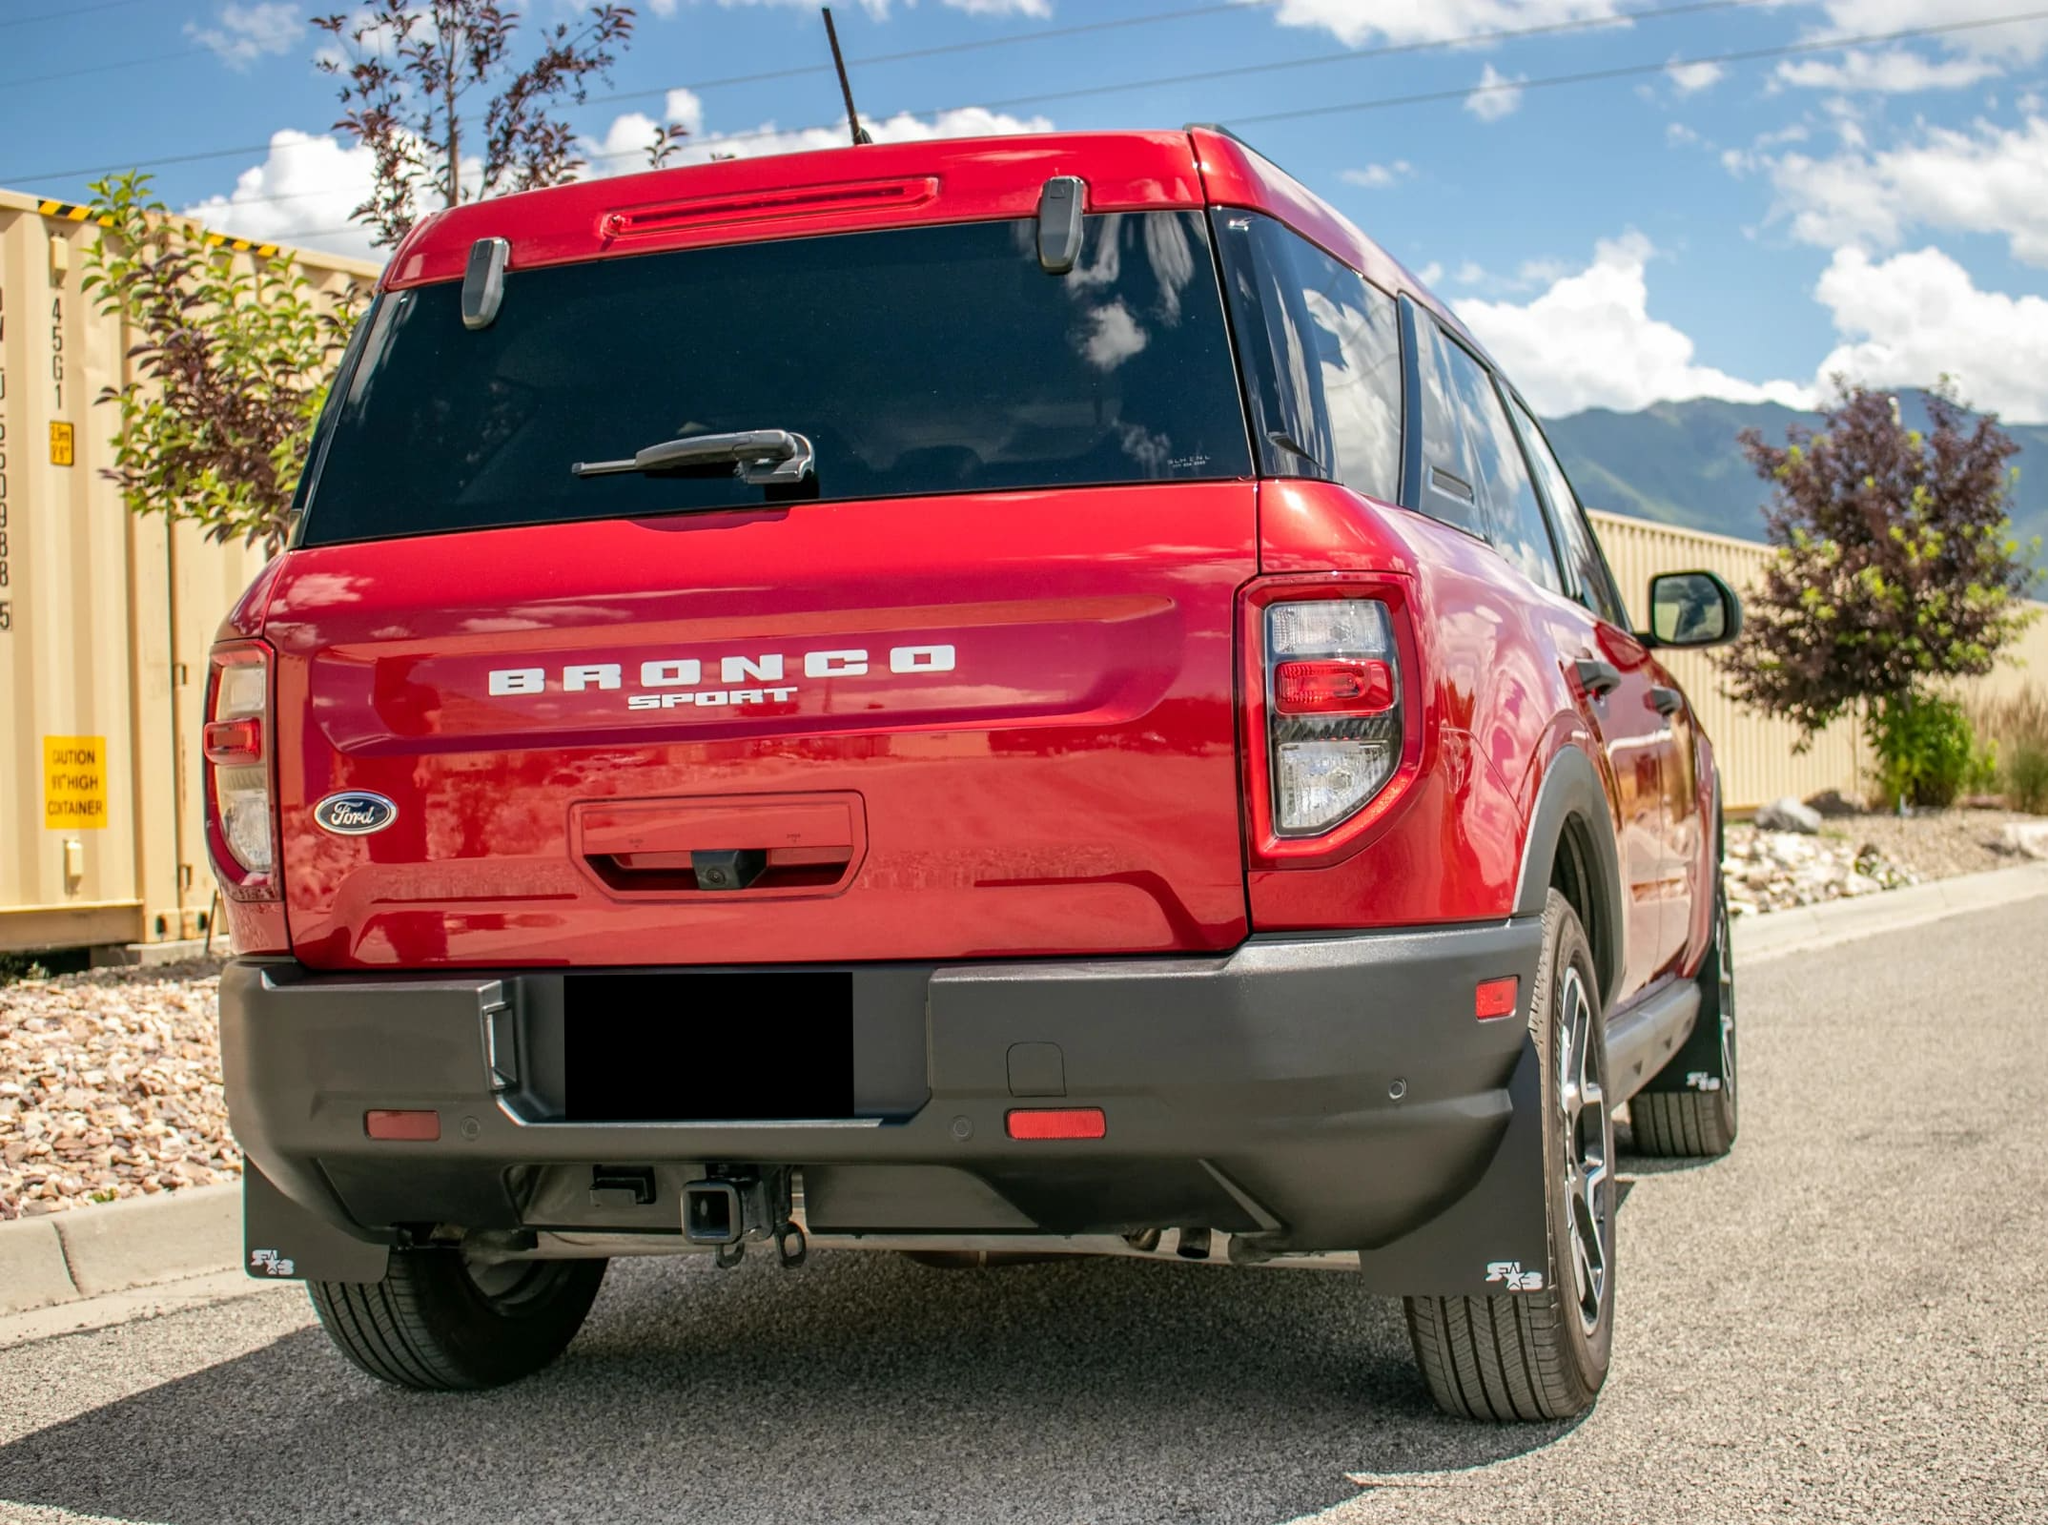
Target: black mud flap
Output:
[
  {"x": 282, "y": 1241},
  {"x": 1493, "y": 1239}
]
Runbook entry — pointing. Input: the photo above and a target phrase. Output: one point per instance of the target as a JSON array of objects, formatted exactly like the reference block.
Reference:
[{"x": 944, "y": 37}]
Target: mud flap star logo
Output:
[
  {"x": 270, "y": 1263},
  {"x": 1511, "y": 1273}
]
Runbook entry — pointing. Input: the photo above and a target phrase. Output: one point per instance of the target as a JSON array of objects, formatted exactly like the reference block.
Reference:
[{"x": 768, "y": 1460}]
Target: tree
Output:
[
  {"x": 407, "y": 68},
  {"x": 230, "y": 363},
  {"x": 1894, "y": 565}
]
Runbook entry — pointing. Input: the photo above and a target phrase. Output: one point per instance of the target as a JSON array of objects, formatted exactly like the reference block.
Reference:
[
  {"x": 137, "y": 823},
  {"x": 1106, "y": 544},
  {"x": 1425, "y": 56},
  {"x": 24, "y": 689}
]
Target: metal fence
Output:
[{"x": 1759, "y": 755}]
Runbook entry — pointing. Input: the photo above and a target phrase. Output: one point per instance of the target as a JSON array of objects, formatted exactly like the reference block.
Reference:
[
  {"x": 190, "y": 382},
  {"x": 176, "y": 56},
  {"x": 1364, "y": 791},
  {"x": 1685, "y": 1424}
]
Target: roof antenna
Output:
[{"x": 860, "y": 133}]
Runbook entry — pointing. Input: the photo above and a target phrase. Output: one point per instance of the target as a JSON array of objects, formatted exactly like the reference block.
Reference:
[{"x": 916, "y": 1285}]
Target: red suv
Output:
[{"x": 1010, "y": 696}]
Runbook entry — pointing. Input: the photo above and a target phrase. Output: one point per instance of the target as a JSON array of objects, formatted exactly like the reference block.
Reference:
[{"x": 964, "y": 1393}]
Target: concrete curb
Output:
[
  {"x": 90, "y": 1251},
  {"x": 1807, "y": 928}
]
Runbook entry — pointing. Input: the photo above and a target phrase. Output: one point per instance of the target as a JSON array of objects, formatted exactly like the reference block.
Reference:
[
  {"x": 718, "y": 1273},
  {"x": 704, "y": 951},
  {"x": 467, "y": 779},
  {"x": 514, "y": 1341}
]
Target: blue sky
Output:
[{"x": 1738, "y": 229}]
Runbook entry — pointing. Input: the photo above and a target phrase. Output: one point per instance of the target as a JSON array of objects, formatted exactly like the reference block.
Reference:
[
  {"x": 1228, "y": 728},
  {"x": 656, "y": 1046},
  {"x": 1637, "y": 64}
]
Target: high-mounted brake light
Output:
[
  {"x": 238, "y": 772},
  {"x": 1333, "y": 717}
]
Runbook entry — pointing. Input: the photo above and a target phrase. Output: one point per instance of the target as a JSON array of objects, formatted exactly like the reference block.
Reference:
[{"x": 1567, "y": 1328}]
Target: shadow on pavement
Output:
[{"x": 862, "y": 1387}]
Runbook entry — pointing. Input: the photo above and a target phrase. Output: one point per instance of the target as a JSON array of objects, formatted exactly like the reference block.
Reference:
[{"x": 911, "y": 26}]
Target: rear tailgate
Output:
[{"x": 954, "y": 727}]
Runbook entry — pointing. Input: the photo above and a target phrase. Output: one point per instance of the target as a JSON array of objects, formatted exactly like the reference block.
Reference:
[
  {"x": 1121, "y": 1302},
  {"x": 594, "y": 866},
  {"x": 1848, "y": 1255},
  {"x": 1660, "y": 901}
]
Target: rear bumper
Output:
[{"x": 1330, "y": 1093}]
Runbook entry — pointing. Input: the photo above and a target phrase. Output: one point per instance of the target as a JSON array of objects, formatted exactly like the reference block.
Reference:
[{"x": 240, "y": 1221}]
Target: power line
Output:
[
  {"x": 126, "y": 63},
  {"x": 67, "y": 13},
  {"x": 1589, "y": 76},
  {"x": 1469, "y": 39}
]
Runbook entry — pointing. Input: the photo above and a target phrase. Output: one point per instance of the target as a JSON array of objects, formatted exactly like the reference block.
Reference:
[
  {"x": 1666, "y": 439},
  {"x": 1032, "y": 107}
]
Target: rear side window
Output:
[
  {"x": 1510, "y": 514},
  {"x": 1582, "y": 556},
  {"x": 936, "y": 359},
  {"x": 1322, "y": 355}
]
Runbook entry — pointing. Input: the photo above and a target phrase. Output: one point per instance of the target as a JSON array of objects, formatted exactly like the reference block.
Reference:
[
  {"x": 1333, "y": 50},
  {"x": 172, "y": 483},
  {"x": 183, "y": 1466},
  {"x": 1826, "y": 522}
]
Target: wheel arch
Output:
[{"x": 1570, "y": 844}]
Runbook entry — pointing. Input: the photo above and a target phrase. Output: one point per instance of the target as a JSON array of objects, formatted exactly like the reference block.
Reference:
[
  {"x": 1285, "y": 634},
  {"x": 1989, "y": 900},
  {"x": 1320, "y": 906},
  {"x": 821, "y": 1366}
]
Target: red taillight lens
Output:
[
  {"x": 1056, "y": 1122},
  {"x": 1333, "y": 688},
  {"x": 235, "y": 743}
]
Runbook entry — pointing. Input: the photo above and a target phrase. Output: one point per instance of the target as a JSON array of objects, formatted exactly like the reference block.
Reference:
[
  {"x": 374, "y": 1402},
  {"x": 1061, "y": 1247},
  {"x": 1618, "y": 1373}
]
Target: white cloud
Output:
[
  {"x": 1690, "y": 79},
  {"x": 1497, "y": 95},
  {"x": 1354, "y": 22},
  {"x": 248, "y": 32},
  {"x": 1378, "y": 177},
  {"x": 624, "y": 147},
  {"x": 302, "y": 194},
  {"x": 1892, "y": 71},
  {"x": 1985, "y": 179},
  {"x": 2023, "y": 40},
  {"x": 1914, "y": 317},
  {"x": 963, "y": 122},
  {"x": 1431, "y": 274},
  {"x": 1589, "y": 341},
  {"x": 1679, "y": 133}
]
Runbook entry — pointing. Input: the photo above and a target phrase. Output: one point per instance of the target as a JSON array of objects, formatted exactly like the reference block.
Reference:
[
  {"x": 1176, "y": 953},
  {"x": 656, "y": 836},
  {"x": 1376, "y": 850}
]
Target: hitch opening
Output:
[{"x": 712, "y": 1213}]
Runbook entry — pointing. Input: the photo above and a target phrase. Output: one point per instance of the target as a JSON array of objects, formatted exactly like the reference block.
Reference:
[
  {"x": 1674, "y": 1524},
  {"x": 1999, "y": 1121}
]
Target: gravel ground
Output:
[
  {"x": 1840, "y": 1322},
  {"x": 110, "y": 1087},
  {"x": 1860, "y": 855}
]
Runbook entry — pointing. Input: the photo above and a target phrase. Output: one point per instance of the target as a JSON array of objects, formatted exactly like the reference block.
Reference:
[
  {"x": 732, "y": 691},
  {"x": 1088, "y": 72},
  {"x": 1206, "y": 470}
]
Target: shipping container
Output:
[{"x": 105, "y": 619}]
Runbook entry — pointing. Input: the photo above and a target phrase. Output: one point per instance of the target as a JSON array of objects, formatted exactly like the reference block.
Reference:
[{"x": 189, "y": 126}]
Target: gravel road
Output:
[{"x": 1842, "y": 1321}]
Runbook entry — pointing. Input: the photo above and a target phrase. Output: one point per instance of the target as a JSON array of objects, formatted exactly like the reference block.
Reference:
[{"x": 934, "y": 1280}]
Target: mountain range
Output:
[{"x": 1679, "y": 463}]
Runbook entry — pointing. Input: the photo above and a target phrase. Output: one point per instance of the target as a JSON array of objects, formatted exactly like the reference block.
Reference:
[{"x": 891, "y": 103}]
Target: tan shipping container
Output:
[{"x": 105, "y": 620}]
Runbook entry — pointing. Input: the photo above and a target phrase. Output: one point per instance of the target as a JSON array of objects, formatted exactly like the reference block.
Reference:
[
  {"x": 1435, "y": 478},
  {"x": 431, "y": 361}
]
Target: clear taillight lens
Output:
[
  {"x": 1333, "y": 709},
  {"x": 236, "y": 746}
]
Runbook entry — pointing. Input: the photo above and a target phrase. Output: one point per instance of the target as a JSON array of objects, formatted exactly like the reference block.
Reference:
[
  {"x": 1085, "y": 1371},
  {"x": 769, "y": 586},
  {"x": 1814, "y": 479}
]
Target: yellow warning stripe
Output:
[{"x": 71, "y": 212}]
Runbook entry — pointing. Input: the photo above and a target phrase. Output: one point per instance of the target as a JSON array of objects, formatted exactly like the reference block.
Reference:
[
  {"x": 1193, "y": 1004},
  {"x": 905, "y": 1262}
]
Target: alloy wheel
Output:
[{"x": 1588, "y": 1147}]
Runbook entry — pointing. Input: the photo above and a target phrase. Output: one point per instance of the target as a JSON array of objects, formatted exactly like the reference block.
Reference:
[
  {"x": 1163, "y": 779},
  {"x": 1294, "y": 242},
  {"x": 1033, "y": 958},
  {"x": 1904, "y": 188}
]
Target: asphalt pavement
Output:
[{"x": 1844, "y": 1320}]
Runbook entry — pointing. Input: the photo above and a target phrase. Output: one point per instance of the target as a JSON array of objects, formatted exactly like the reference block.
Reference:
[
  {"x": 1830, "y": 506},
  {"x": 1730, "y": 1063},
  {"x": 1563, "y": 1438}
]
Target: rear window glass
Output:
[{"x": 937, "y": 359}]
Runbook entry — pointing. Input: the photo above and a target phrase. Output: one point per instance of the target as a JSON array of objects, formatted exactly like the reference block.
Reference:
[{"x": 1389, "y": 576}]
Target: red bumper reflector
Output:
[
  {"x": 1333, "y": 688},
  {"x": 1056, "y": 1122},
  {"x": 403, "y": 1127},
  {"x": 233, "y": 743},
  {"x": 1496, "y": 998}
]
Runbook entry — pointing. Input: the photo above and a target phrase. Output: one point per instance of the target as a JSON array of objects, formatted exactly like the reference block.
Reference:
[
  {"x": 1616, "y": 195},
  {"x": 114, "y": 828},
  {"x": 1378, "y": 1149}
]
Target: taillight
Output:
[
  {"x": 1333, "y": 709},
  {"x": 236, "y": 744}
]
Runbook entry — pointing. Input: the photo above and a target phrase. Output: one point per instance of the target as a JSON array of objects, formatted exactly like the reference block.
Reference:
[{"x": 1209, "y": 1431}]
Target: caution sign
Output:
[
  {"x": 74, "y": 782},
  {"x": 61, "y": 451}
]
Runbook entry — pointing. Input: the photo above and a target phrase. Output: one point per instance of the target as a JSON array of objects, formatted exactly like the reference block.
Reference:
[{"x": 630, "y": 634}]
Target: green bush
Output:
[
  {"x": 1926, "y": 751},
  {"x": 2019, "y": 722},
  {"x": 2026, "y": 778}
]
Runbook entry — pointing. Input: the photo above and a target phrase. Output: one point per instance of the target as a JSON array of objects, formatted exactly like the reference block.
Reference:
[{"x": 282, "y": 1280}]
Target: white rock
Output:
[
  {"x": 1788, "y": 814},
  {"x": 2028, "y": 838}
]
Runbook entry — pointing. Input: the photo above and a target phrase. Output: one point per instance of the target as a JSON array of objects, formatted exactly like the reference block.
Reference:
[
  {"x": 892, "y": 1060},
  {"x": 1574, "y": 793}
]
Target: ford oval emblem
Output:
[{"x": 354, "y": 813}]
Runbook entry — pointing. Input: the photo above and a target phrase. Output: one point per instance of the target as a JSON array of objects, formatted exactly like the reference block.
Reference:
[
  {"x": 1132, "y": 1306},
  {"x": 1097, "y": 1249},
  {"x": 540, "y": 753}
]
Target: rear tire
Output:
[
  {"x": 1544, "y": 1354},
  {"x": 1698, "y": 1121},
  {"x": 438, "y": 1323}
]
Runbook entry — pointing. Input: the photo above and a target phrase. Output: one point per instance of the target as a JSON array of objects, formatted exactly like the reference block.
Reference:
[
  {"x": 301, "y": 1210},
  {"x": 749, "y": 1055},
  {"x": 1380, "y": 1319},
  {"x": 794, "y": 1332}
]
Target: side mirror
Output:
[{"x": 1692, "y": 609}]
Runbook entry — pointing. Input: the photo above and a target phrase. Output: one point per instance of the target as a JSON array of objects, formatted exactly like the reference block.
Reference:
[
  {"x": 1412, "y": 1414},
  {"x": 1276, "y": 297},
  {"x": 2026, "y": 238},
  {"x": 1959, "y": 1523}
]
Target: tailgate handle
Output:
[{"x": 757, "y": 845}]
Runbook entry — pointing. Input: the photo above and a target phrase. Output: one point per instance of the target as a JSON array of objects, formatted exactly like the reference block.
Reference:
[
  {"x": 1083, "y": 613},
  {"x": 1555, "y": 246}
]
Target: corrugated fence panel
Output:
[
  {"x": 105, "y": 620},
  {"x": 1758, "y": 760}
]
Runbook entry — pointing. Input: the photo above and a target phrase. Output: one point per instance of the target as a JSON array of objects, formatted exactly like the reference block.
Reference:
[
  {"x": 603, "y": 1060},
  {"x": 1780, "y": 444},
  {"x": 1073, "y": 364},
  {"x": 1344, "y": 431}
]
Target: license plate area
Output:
[{"x": 708, "y": 1046}]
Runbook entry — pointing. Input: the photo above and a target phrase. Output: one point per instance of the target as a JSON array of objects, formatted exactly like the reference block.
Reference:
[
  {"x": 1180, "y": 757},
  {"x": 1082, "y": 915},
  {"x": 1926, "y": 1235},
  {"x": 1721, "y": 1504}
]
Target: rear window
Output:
[{"x": 937, "y": 359}]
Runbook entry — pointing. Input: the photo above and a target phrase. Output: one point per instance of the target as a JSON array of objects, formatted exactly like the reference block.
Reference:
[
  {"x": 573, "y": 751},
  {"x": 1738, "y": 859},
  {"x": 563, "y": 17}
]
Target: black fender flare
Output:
[{"x": 1571, "y": 787}]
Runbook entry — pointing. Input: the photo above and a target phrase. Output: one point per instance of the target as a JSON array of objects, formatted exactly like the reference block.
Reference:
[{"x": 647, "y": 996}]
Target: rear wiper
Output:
[{"x": 764, "y": 457}]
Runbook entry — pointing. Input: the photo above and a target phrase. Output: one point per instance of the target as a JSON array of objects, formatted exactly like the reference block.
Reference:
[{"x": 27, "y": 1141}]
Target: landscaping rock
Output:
[
  {"x": 2027, "y": 838},
  {"x": 1830, "y": 805},
  {"x": 1788, "y": 815}
]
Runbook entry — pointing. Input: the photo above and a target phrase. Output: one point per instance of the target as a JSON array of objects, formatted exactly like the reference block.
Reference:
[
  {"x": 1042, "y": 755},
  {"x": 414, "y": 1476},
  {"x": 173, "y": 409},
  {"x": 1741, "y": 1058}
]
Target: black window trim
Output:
[{"x": 1553, "y": 514}]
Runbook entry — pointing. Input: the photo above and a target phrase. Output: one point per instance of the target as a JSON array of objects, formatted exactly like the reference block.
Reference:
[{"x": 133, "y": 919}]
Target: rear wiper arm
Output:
[{"x": 764, "y": 457}]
